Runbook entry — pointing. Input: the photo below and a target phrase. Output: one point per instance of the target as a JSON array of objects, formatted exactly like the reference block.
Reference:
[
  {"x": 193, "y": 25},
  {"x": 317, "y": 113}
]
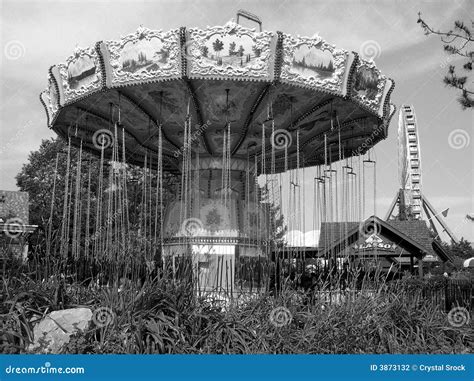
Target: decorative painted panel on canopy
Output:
[
  {"x": 230, "y": 51},
  {"x": 50, "y": 98},
  {"x": 80, "y": 75},
  {"x": 144, "y": 56},
  {"x": 371, "y": 88},
  {"x": 313, "y": 63}
]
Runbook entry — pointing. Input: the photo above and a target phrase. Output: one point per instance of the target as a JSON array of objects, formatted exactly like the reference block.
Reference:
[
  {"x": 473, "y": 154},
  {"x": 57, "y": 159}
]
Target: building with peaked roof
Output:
[{"x": 395, "y": 245}]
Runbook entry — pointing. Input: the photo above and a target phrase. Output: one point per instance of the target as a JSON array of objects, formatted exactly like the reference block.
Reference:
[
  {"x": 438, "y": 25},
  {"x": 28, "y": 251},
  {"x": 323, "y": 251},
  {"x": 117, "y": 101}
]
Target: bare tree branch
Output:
[{"x": 457, "y": 42}]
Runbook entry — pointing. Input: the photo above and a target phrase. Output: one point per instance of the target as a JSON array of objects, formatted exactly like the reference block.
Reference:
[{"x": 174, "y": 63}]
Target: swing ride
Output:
[{"x": 219, "y": 107}]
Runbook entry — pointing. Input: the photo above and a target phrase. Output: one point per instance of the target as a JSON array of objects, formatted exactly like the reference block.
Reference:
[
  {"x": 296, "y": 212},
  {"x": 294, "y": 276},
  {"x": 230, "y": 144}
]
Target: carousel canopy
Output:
[{"x": 320, "y": 102}]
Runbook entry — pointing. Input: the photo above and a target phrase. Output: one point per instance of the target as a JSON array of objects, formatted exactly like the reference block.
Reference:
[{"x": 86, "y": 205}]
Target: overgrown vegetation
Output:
[{"x": 166, "y": 316}]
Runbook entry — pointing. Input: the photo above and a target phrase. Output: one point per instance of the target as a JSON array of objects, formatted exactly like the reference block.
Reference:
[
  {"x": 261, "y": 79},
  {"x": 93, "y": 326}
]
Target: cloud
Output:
[{"x": 298, "y": 238}]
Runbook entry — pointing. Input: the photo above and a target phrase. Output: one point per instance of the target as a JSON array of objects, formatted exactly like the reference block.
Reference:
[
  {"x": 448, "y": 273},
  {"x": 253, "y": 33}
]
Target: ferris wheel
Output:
[
  {"x": 412, "y": 204},
  {"x": 409, "y": 157}
]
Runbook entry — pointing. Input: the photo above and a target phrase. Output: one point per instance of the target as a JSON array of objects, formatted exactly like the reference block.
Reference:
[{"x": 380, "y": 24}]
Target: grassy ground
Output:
[{"x": 165, "y": 317}]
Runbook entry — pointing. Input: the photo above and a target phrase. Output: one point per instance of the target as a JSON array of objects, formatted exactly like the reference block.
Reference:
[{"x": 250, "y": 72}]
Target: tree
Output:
[
  {"x": 457, "y": 42},
  {"x": 461, "y": 249},
  {"x": 38, "y": 177},
  {"x": 458, "y": 252},
  {"x": 232, "y": 49},
  {"x": 217, "y": 45},
  {"x": 241, "y": 51},
  {"x": 205, "y": 51}
]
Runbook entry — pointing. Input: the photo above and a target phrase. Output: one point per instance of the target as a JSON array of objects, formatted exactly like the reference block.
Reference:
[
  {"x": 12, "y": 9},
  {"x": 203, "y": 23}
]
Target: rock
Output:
[{"x": 53, "y": 332}]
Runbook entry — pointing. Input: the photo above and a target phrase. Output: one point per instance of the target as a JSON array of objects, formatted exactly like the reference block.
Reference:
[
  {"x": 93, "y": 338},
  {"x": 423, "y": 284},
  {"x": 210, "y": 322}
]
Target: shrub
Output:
[{"x": 163, "y": 316}]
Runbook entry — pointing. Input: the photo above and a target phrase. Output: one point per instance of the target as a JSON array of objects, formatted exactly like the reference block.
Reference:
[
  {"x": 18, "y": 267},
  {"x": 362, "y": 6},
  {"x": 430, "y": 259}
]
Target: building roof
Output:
[
  {"x": 331, "y": 232},
  {"x": 417, "y": 230},
  {"x": 415, "y": 233}
]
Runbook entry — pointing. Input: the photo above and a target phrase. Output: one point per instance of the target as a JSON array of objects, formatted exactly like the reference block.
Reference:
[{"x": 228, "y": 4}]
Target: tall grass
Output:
[{"x": 163, "y": 316}]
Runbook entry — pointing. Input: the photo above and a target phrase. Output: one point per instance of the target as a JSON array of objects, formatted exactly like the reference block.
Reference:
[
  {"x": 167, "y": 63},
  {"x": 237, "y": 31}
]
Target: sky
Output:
[{"x": 37, "y": 34}]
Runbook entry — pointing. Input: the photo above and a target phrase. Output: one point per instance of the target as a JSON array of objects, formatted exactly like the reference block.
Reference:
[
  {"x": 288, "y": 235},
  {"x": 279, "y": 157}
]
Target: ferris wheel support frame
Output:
[
  {"x": 428, "y": 206},
  {"x": 410, "y": 169},
  {"x": 430, "y": 212}
]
